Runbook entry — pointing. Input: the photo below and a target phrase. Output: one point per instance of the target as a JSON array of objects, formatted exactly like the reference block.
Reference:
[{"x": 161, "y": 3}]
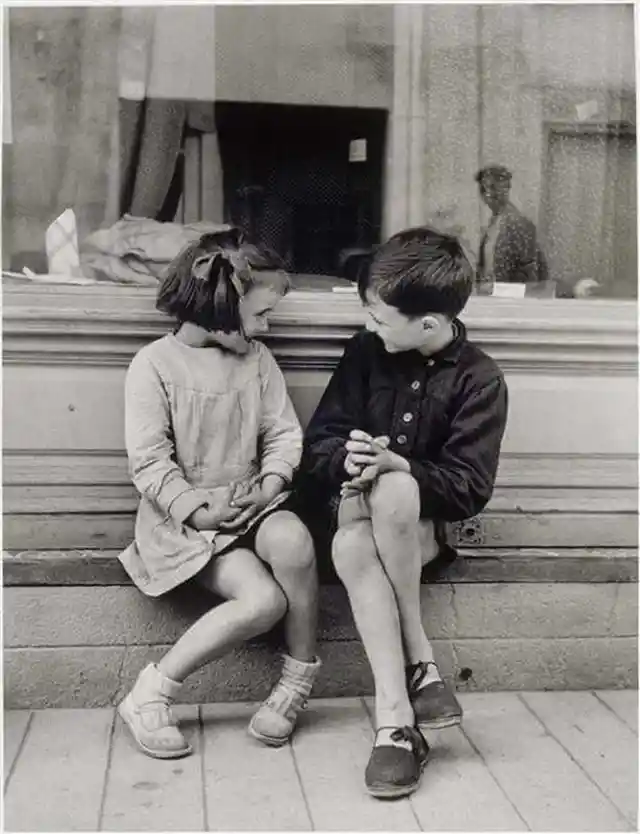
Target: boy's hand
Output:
[
  {"x": 368, "y": 457},
  {"x": 359, "y": 442}
]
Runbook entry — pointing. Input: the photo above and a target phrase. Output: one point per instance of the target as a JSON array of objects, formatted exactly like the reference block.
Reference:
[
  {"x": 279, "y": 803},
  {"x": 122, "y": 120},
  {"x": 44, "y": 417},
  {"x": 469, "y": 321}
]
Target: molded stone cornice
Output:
[{"x": 106, "y": 325}]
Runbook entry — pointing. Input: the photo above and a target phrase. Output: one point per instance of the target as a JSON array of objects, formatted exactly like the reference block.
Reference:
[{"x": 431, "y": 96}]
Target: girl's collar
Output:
[{"x": 230, "y": 342}]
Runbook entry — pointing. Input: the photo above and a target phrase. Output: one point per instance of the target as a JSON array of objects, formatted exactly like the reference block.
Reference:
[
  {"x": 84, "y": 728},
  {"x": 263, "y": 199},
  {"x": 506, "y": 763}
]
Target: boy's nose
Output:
[{"x": 370, "y": 325}]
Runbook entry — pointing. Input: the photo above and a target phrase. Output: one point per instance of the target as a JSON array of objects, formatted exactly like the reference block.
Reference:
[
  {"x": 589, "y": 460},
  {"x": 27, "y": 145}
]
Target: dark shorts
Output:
[{"x": 321, "y": 517}]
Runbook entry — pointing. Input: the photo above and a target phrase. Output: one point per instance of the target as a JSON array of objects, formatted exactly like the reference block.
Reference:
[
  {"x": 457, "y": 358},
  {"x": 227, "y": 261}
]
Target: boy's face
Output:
[{"x": 397, "y": 331}]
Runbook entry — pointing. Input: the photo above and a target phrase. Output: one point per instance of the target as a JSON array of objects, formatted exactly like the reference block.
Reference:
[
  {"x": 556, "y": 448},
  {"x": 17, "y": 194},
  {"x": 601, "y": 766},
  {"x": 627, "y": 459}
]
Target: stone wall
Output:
[{"x": 545, "y": 595}]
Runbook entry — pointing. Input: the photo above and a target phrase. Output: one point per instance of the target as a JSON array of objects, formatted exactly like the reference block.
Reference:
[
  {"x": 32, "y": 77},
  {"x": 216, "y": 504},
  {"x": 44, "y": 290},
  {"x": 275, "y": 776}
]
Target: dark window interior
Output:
[{"x": 290, "y": 184}]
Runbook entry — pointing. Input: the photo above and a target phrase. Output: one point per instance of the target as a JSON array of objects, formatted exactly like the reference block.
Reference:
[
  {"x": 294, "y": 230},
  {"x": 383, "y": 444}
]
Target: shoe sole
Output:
[
  {"x": 270, "y": 741},
  {"x": 154, "y": 754},
  {"x": 397, "y": 792},
  {"x": 440, "y": 723}
]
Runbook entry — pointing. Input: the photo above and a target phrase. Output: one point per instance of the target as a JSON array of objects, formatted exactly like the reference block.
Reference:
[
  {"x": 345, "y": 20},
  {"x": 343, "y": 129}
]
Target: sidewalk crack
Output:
[
  {"x": 623, "y": 818},
  {"x": 478, "y": 752},
  {"x": 203, "y": 772},
  {"x": 305, "y": 799},
  {"x": 8, "y": 775},
  {"x": 107, "y": 770}
]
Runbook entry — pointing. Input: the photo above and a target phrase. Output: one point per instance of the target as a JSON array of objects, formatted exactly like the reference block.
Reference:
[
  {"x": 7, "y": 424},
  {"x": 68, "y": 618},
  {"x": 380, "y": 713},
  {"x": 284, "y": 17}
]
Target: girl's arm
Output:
[
  {"x": 150, "y": 444},
  {"x": 280, "y": 432}
]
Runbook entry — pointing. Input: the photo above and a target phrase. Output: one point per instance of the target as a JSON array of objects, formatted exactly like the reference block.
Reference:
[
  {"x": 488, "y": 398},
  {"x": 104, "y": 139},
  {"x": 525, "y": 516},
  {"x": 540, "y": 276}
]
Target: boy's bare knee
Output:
[
  {"x": 428, "y": 543},
  {"x": 286, "y": 542},
  {"x": 353, "y": 550},
  {"x": 395, "y": 500}
]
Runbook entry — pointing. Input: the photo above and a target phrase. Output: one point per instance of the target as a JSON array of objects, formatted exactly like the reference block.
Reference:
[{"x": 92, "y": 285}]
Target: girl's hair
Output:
[
  {"x": 419, "y": 271},
  {"x": 207, "y": 279}
]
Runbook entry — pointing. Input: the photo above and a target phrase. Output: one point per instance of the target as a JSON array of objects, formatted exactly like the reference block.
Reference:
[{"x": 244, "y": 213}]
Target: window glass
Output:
[{"x": 322, "y": 130}]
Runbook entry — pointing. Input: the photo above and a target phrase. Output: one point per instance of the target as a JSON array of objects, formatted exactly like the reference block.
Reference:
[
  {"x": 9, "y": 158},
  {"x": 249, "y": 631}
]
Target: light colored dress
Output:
[{"x": 198, "y": 420}]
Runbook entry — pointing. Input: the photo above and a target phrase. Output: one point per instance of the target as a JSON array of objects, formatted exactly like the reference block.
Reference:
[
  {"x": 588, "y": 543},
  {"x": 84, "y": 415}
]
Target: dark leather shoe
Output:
[
  {"x": 393, "y": 772},
  {"x": 435, "y": 705}
]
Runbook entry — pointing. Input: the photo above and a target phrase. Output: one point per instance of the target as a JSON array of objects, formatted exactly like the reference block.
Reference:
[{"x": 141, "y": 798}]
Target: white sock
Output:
[
  {"x": 383, "y": 737},
  {"x": 432, "y": 675}
]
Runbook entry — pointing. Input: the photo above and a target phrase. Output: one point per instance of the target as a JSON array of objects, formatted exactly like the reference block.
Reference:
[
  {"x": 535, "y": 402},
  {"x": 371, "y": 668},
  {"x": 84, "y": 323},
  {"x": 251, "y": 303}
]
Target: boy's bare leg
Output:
[
  {"x": 375, "y": 612},
  {"x": 404, "y": 544}
]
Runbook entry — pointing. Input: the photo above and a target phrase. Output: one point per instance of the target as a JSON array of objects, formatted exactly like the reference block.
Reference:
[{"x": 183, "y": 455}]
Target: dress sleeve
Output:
[
  {"x": 150, "y": 444},
  {"x": 280, "y": 431}
]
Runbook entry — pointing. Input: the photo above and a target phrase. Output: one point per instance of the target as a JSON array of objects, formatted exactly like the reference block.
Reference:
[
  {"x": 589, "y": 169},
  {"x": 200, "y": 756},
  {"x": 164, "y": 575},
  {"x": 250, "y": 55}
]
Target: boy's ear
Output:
[{"x": 430, "y": 324}]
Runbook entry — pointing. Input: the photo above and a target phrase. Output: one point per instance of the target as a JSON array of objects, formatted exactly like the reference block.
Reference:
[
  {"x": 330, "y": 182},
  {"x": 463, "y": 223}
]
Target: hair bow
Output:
[{"x": 202, "y": 265}]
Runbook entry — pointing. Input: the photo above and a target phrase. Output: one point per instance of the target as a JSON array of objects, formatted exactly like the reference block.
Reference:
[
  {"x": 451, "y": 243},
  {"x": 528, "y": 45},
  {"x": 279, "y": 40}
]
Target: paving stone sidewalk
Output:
[{"x": 538, "y": 761}]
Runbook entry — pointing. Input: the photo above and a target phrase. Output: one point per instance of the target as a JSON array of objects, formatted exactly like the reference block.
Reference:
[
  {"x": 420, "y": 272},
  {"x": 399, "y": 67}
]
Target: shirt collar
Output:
[{"x": 451, "y": 353}]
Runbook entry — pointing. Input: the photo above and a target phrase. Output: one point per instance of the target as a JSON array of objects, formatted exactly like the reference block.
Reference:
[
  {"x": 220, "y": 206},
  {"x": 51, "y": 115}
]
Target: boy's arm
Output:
[
  {"x": 150, "y": 444},
  {"x": 280, "y": 432},
  {"x": 341, "y": 409},
  {"x": 459, "y": 483}
]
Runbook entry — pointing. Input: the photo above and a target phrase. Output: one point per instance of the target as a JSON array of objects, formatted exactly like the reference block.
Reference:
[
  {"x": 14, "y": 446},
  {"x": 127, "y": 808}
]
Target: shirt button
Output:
[
  {"x": 430, "y": 362},
  {"x": 415, "y": 385},
  {"x": 402, "y": 439},
  {"x": 408, "y": 417}
]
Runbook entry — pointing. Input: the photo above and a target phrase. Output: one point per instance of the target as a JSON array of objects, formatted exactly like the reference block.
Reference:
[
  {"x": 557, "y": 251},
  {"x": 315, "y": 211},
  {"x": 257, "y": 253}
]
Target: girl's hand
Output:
[
  {"x": 212, "y": 516},
  {"x": 246, "y": 507}
]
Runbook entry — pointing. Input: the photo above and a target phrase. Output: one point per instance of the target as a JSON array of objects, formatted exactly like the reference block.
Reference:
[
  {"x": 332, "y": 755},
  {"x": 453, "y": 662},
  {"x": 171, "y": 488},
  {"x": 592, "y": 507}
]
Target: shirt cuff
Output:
[
  {"x": 187, "y": 502},
  {"x": 278, "y": 467},
  {"x": 337, "y": 471}
]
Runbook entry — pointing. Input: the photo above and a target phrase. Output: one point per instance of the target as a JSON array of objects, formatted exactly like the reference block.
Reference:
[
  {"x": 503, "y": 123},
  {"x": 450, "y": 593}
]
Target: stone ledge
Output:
[
  {"x": 101, "y": 567},
  {"x": 99, "y": 676},
  {"x": 113, "y": 615}
]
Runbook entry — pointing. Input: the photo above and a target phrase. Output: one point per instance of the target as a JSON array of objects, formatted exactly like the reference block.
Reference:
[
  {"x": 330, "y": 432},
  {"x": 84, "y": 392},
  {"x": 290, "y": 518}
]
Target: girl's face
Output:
[{"x": 254, "y": 308}]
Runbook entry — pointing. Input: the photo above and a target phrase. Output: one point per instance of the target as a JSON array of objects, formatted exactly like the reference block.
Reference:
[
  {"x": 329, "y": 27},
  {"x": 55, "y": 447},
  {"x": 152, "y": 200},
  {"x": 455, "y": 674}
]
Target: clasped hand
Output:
[
  {"x": 367, "y": 458},
  {"x": 232, "y": 511}
]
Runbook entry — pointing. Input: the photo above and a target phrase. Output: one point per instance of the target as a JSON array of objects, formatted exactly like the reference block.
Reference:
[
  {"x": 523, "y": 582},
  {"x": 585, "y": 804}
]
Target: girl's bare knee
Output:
[
  {"x": 266, "y": 606},
  {"x": 285, "y": 543}
]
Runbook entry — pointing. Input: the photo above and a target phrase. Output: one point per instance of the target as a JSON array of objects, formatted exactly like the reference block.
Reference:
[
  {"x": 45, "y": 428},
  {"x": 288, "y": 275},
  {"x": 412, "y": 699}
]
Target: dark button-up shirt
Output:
[{"x": 446, "y": 414}]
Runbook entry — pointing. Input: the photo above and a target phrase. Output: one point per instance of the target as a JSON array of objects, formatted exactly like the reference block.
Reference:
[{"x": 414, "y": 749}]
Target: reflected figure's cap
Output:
[{"x": 493, "y": 172}]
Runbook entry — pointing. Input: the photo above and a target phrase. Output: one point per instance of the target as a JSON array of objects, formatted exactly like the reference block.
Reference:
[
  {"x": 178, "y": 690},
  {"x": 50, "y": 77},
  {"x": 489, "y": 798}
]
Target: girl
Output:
[{"x": 213, "y": 442}]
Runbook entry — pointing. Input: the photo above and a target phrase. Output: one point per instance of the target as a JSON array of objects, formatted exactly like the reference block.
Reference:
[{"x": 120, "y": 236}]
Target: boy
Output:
[{"x": 406, "y": 438}]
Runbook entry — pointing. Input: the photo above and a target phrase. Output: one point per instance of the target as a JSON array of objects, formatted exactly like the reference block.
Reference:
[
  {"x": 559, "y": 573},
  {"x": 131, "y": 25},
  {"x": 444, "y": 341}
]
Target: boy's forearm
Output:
[{"x": 324, "y": 461}]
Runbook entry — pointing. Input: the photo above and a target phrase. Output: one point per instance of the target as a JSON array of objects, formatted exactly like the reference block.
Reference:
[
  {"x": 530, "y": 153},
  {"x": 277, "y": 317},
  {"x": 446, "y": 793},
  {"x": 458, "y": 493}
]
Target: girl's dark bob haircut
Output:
[
  {"x": 419, "y": 271},
  {"x": 204, "y": 283}
]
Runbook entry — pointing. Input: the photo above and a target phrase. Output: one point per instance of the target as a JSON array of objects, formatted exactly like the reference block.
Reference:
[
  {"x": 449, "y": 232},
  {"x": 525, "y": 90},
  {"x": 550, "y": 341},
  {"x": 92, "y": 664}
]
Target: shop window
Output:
[{"x": 322, "y": 130}]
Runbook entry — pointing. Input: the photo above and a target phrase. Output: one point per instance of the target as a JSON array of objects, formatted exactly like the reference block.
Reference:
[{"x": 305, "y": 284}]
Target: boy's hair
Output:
[
  {"x": 206, "y": 280},
  {"x": 419, "y": 271}
]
